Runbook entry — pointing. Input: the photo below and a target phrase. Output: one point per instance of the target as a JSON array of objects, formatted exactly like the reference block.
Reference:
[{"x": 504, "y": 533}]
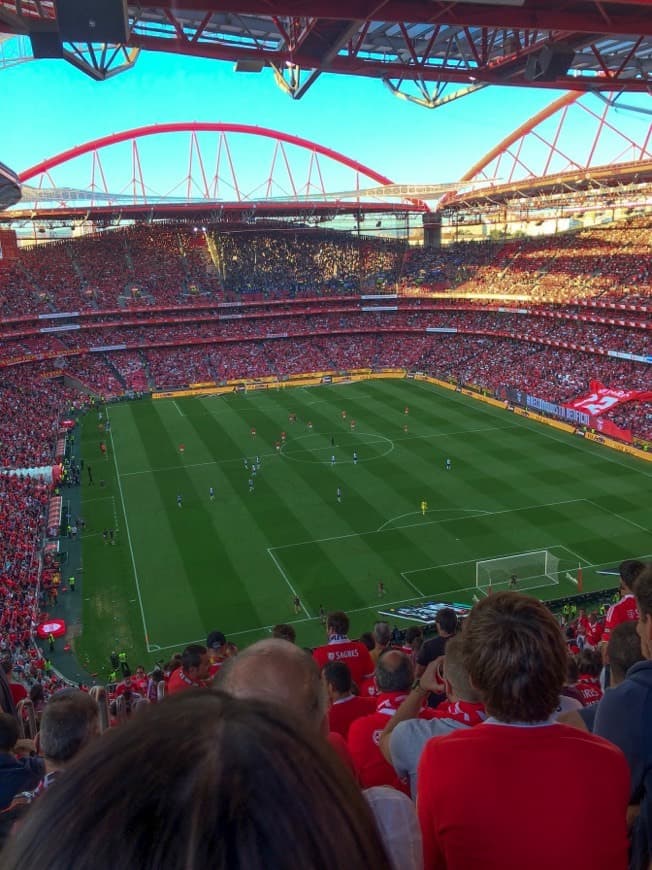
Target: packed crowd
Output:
[
  {"x": 609, "y": 262},
  {"x": 391, "y": 741},
  {"x": 156, "y": 265},
  {"x": 303, "y": 262},
  {"x": 31, "y": 408},
  {"x": 591, "y": 331},
  {"x": 136, "y": 265}
]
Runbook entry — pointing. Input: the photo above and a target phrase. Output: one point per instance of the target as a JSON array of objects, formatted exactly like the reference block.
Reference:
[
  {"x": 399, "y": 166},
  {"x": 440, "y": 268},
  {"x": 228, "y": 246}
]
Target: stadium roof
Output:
[
  {"x": 419, "y": 48},
  {"x": 9, "y": 187}
]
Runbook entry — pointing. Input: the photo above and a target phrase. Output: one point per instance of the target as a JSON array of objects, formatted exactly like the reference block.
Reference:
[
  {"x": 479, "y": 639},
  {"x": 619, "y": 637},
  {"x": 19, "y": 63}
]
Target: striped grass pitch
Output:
[{"x": 237, "y": 562}]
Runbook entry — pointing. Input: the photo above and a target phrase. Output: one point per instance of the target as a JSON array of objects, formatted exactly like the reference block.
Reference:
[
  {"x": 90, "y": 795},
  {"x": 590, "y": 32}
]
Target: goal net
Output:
[{"x": 521, "y": 571}]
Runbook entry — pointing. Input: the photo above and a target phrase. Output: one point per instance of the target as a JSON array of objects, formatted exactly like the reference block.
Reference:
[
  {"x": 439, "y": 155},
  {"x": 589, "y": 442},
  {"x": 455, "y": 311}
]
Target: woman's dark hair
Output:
[
  {"x": 367, "y": 639},
  {"x": 36, "y": 693},
  {"x": 589, "y": 661},
  {"x": 202, "y": 780}
]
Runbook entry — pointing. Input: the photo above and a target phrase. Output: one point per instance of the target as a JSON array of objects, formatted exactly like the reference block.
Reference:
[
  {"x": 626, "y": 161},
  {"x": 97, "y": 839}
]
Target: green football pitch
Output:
[{"x": 236, "y": 563}]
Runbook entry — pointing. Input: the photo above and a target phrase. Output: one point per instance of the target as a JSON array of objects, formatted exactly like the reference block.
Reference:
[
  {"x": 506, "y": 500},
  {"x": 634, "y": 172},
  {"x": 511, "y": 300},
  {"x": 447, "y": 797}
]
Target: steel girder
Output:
[{"x": 418, "y": 47}]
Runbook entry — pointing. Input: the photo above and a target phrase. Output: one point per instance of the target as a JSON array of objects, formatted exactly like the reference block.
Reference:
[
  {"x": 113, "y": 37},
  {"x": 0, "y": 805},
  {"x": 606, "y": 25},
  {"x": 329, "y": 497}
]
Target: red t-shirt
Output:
[
  {"x": 589, "y": 689},
  {"x": 624, "y": 611},
  {"x": 345, "y": 711},
  {"x": 338, "y": 743},
  {"x": 352, "y": 652},
  {"x": 496, "y": 796},
  {"x": 593, "y": 632},
  {"x": 363, "y": 739},
  {"x": 180, "y": 682},
  {"x": 368, "y": 688},
  {"x": 18, "y": 692}
]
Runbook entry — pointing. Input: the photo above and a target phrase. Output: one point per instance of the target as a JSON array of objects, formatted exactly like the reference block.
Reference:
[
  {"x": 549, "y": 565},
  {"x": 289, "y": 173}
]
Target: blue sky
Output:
[{"x": 53, "y": 106}]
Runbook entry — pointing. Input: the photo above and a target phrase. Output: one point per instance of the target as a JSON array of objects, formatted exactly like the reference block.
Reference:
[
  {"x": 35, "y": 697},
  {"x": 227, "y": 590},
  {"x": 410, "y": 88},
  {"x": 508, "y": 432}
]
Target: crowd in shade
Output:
[{"x": 253, "y": 758}]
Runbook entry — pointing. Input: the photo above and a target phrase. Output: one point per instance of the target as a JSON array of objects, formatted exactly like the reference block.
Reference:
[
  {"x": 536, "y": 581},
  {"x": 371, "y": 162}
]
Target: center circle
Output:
[{"x": 348, "y": 441}]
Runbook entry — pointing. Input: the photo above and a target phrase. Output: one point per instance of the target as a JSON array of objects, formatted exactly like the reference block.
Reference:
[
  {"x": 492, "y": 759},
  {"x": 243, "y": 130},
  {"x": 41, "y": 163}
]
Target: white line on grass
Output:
[
  {"x": 131, "y": 549},
  {"x": 290, "y": 586},
  {"x": 374, "y": 607},
  {"x": 289, "y": 443},
  {"x": 478, "y": 511},
  {"x": 473, "y": 561},
  {"x": 538, "y": 427},
  {"x": 181, "y": 414},
  {"x": 487, "y": 514},
  {"x": 620, "y": 517},
  {"x": 192, "y": 465},
  {"x": 115, "y": 508},
  {"x": 404, "y": 574}
]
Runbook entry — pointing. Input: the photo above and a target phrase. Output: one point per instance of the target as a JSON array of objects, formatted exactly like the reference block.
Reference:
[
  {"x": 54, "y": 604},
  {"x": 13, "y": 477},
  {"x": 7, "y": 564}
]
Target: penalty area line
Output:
[
  {"x": 287, "y": 580},
  {"x": 411, "y": 584}
]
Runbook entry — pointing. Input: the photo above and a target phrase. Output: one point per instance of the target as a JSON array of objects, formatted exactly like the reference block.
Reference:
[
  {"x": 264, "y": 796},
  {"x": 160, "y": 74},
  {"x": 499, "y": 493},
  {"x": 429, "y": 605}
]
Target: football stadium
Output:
[{"x": 325, "y": 434}]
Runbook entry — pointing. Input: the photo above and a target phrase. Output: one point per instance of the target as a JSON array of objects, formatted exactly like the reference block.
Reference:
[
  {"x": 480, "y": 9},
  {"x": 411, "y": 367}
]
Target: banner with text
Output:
[{"x": 601, "y": 398}]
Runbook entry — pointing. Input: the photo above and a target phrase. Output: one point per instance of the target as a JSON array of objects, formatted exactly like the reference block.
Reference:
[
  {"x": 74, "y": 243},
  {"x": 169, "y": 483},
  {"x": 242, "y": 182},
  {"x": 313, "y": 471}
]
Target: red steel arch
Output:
[
  {"x": 548, "y": 144},
  {"x": 199, "y": 127}
]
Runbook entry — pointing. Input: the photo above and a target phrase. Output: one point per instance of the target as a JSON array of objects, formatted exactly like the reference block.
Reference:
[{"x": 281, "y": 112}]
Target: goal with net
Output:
[{"x": 520, "y": 572}]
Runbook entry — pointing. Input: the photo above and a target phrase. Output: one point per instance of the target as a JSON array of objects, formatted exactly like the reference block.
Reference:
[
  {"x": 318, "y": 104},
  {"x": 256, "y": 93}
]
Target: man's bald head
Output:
[{"x": 277, "y": 671}]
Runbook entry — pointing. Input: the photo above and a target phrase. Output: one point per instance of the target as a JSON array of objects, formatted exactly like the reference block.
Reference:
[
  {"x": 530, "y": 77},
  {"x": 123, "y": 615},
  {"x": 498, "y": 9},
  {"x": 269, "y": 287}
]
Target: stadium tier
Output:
[{"x": 255, "y": 429}]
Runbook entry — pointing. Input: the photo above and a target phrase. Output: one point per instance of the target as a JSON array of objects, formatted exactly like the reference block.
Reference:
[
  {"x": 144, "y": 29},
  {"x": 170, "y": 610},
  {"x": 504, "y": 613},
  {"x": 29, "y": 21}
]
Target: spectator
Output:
[
  {"x": 394, "y": 676},
  {"x": 407, "y": 732},
  {"x": 229, "y": 783},
  {"x": 382, "y": 635},
  {"x": 516, "y": 658},
  {"x": 625, "y": 609},
  {"x": 446, "y": 624},
  {"x": 6, "y": 697},
  {"x": 18, "y": 691},
  {"x": 282, "y": 631},
  {"x": 624, "y": 716},
  {"x": 218, "y": 651},
  {"x": 274, "y": 670},
  {"x": 344, "y": 707},
  {"x": 353, "y": 652},
  {"x": 194, "y": 670},
  {"x": 16, "y": 774},
  {"x": 623, "y": 652},
  {"x": 589, "y": 664}
]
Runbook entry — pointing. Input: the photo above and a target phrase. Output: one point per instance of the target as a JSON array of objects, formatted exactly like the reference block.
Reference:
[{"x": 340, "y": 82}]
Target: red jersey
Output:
[
  {"x": 364, "y": 737},
  {"x": 368, "y": 689},
  {"x": 338, "y": 743},
  {"x": 18, "y": 692},
  {"x": 624, "y": 611},
  {"x": 520, "y": 768},
  {"x": 352, "y": 652},
  {"x": 180, "y": 682},
  {"x": 346, "y": 710},
  {"x": 589, "y": 689},
  {"x": 593, "y": 632}
]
